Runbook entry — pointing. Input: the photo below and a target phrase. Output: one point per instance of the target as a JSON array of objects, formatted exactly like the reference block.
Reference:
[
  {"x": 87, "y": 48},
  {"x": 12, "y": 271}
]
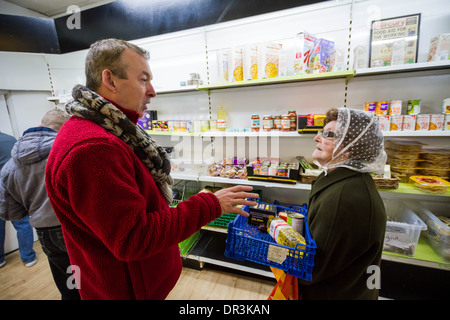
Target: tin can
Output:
[
  {"x": 370, "y": 107},
  {"x": 296, "y": 221},
  {"x": 183, "y": 126},
  {"x": 164, "y": 125},
  {"x": 381, "y": 108},
  {"x": 413, "y": 107}
]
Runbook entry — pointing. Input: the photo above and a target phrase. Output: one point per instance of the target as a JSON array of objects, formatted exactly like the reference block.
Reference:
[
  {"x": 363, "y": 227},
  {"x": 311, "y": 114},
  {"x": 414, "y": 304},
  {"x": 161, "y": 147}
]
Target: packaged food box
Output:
[
  {"x": 436, "y": 215},
  {"x": 432, "y": 184},
  {"x": 395, "y": 107},
  {"x": 384, "y": 122},
  {"x": 251, "y": 62},
  {"x": 236, "y": 64},
  {"x": 303, "y": 52},
  {"x": 439, "y": 48},
  {"x": 260, "y": 213},
  {"x": 437, "y": 121},
  {"x": 337, "y": 60},
  {"x": 423, "y": 122},
  {"x": 403, "y": 228},
  {"x": 223, "y": 57},
  {"x": 268, "y": 60},
  {"x": 447, "y": 122},
  {"x": 361, "y": 57},
  {"x": 409, "y": 122},
  {"x": 322, "y": 55},
  {"x": 396, "y": 122}
]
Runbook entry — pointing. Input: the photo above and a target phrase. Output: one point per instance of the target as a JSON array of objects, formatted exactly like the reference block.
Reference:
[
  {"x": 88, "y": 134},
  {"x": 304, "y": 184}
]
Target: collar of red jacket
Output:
[{"x": 131, "y": 114}]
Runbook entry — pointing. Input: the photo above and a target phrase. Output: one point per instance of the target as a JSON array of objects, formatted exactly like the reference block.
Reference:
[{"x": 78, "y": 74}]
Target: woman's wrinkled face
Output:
[{"x": 325, "y": 143}]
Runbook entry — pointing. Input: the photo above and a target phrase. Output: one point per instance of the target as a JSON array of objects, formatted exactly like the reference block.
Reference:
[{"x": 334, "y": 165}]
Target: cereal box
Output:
[
  {"x": 322, "y": 55},
  {"x": 437, "y": 121},
  {"x": 396, "y": 122},
  {"x": 440, "y": 48},
  {"x": 251, "y": 62},
  {"x": 268, "y": 60},
  {"x": 423, "y": 122},
  {"x": 303, "y": 52},
  {"x": 409, "y": 122},
  {"x": 236, "y": 64}
]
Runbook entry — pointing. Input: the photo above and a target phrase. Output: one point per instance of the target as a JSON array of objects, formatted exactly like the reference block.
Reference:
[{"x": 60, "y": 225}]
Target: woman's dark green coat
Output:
[{"x": 347, "y": 219}]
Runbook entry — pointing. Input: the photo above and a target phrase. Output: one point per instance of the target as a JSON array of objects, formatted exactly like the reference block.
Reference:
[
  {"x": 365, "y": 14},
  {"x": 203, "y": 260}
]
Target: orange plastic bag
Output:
[{"x": 286, "y": 287}]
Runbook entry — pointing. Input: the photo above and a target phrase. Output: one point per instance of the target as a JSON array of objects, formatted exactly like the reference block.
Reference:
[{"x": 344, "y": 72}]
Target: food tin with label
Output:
[
  {"x": 296, "y": 221},
  {"x": 447, "y": 122},
  {"x": 370, "y": 107},
  {"x": 381, "y": 108}
]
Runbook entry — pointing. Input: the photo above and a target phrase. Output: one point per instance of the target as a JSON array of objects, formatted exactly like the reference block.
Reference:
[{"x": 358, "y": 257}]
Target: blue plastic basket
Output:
[{"x": 247, "y": 242}]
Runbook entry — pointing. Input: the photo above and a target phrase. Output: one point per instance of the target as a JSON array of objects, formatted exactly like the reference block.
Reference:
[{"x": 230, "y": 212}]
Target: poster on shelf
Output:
[{"x": 394, "y": 41}]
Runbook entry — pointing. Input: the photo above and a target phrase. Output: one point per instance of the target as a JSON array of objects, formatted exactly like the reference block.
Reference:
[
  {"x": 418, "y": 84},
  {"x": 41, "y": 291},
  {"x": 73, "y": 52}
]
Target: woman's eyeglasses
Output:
[{"x": 326, "y": 133}]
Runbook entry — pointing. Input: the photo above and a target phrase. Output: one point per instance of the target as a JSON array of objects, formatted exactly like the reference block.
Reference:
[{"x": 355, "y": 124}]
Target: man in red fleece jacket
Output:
[{"x": 109, "y": 184}]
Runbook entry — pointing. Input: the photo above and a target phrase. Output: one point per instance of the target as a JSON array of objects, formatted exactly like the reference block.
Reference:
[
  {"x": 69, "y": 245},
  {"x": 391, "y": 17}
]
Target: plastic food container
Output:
[
  {"x": 403, "y": 228},
  {"x": 437, "y": 233}
]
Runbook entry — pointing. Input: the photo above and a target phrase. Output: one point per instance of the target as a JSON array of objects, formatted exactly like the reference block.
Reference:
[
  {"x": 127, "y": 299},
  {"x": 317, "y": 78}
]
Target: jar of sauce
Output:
[
  {"x": 293, "y": 117},
  {"x": 255, "y": 122},
  {"x": 267, "y": 123},
  {"x": 277, "y": 123},
  {"x": 285, "y": 123}
]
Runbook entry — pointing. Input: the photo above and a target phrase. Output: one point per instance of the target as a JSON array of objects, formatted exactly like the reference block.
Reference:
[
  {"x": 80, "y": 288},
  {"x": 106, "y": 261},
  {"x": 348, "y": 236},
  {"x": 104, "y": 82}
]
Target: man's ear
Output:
[{"x": 108, "y": 80}]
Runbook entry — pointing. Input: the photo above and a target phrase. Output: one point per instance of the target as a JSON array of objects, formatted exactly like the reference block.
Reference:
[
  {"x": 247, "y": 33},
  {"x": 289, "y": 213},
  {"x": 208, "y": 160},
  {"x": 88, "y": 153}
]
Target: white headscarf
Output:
[{"x": 359, "y": 143}]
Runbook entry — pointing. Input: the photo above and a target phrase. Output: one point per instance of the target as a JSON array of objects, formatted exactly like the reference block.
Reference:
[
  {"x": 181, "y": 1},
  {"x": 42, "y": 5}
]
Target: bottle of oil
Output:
[
  {"x": 221, "y": 119},
  {"x": 284, "y": 234}
]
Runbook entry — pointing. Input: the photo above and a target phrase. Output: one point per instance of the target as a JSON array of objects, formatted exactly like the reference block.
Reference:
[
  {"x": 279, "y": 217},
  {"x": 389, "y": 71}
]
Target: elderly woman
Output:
[{"x": 346, "y": 215}]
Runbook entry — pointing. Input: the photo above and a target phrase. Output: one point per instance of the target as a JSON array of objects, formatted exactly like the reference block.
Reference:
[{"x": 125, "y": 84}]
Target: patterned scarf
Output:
[{"x": 91, "y": 106}]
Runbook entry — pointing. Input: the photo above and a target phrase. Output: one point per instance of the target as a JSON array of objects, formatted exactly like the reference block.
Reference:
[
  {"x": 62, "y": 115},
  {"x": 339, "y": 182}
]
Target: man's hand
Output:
[{"x": 231, "y": 197}]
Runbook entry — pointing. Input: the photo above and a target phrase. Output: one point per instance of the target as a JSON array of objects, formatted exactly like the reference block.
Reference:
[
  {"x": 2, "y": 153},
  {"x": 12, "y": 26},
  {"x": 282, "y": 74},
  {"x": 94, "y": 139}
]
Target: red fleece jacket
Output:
[{"x": 118, "y": 228}]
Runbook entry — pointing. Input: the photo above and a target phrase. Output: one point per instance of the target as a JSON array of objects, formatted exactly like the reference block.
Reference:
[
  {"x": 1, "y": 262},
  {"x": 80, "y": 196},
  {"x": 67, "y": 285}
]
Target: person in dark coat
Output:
[{"x": 346, "y": 214}]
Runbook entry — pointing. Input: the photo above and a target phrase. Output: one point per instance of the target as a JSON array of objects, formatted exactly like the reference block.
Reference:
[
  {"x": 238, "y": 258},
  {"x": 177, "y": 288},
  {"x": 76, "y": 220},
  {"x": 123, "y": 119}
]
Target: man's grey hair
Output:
[{"x": 106, "y": 54}]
